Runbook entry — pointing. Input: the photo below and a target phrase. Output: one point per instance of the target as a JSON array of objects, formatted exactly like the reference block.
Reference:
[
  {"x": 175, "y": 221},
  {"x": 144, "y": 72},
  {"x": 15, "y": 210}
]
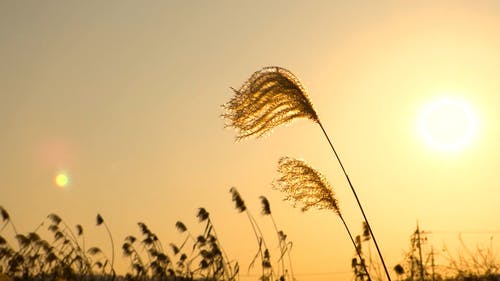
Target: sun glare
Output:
[
  {"x": 448, "y": 124},
  {"x": 61, "y": 180}
]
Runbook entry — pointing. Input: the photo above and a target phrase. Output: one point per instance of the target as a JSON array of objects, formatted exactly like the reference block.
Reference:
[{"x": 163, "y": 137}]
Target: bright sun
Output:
[{"x": 448, "y": 124}]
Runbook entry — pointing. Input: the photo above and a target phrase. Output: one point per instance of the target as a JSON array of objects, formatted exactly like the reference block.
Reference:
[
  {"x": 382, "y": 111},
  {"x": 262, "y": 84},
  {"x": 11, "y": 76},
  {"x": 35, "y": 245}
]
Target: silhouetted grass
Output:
[{"x": 64, "y": 257}]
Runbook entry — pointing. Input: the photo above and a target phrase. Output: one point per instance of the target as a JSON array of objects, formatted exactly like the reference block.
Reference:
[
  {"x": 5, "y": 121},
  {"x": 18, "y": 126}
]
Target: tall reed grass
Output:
[{"x": 271, "y": 97}]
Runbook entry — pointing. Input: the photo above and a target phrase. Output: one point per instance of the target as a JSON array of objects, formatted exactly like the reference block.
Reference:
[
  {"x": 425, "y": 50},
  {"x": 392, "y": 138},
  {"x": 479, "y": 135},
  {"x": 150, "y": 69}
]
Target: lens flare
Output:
[{"x": 61, "y": 180}]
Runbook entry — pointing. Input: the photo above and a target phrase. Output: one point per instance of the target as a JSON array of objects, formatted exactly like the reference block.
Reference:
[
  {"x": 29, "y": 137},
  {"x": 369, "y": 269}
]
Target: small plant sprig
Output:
[
  {"x": 183, "y": 264},
  {"x": 136, "y": 263},
  {"x": 214, "y": 263},
  {"x": 100, "y": 221},
  {"x": 284, "y": 246},
  {"x": 6, "y": 220},
  {"x": 263, "y": 251}
]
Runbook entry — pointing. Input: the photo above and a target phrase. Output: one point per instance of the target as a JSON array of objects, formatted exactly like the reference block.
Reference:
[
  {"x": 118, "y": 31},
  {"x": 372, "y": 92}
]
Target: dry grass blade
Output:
[
  {"x": 305, "y": 186},
  {"x": 271, "y": 97}
]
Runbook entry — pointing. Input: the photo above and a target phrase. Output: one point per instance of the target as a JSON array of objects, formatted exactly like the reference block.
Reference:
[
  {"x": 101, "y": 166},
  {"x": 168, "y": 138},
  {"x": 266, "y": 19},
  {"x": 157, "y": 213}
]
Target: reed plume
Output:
[
  {"x": 6, "y": 218},
  {"x": 271, "y": 97},
  {"x": 303, "y": 185}
]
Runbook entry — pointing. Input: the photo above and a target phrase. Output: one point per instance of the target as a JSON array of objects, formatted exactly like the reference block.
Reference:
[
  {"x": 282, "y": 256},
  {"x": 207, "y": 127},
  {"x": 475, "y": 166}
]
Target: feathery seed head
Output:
[
  {"x": 130, "y": 239},
  {"x": 236, "y": 197},
  {"x": 127, "y": 249},
  {"x": 201, "y": 239},
  {"x": 99, "y": 219},
  {"x": 271, "y": 97},
  {"x": 282, "y": 235},
  {"x": 33, "y": 237},
  {"x": 202, "y": 214},
  {"x": 175, "y": 249},
  {"x": 366, "y": 232},
  {"x": 181, "y": 227},
  {"x": 305, "y": 186},
  {"x": 266, "y": 207},
  {"x": 4, "y": 214},
  {"x": 22, "y": 240},
  {"x": 79, "y": 229},
  {"x": 53, "y": 228},
  {"x": 58, "y": 235},
  {"x": 94, "y": 251},
  {"x": 55, "y": 218},
  {"x": 144, "y": 228}
]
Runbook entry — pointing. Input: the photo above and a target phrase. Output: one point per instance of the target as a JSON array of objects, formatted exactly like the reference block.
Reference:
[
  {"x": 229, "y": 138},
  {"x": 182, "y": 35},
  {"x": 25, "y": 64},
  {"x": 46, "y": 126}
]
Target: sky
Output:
[{"x": 124, "y": 97}]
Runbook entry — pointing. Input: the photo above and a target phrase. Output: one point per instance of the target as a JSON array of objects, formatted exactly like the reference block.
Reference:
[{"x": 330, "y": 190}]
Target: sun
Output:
[{"x": 448, "y": 124}]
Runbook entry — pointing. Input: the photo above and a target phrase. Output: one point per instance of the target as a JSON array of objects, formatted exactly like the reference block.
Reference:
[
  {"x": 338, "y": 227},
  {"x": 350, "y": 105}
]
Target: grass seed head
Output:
[
  {"x": 271, "y": 97},
  {"x": 303, "y": 185},
  {"x": 99, "y": 219},
  {"x": 55, "y": 218},
  {"x": 181, "y": 227},
  {"x": 94, "y": 251},
  {"x": 4, "y": 214},
  {"x": 79, "y": 230},
  {"x": 202, "y": 214},
  {"x": 266, "y": 207},
  {"x": 236, "y": 197}
]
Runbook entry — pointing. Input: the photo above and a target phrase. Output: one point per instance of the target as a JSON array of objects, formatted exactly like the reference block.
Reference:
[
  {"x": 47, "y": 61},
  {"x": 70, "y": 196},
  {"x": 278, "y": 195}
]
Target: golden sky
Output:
[{"x": 125, "y": 98}]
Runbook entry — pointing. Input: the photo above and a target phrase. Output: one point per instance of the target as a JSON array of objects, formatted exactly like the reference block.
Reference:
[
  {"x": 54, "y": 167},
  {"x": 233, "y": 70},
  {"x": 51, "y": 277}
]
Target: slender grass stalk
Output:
[
  {"x": 204, "y": 215},
  {"x": 271, "y": 97},
  {"x": 6, "y": 218},
  {"x": 357, "y": 199},
  {"x": 266, "y": 211},
  {"x": 99, "y": 221},
  {"x": 264, "y": 255}
]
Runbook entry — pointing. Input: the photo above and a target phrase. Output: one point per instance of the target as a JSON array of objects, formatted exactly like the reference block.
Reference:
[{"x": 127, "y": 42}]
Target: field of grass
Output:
[
  {"x": 64, "y": 256},
  {"x": 271, "y": 97}
]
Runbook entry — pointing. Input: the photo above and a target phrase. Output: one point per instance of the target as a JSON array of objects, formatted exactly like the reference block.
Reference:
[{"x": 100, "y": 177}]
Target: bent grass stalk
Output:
[
  {"x": 264, "y": 255},
  {"x": 6, "y": 218},
  {"x": 283, "y": 245},
  {"x": 99, "y": 221},
  {"x": 202, "y": 216},
  {"x": 271, "y": 97}
]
